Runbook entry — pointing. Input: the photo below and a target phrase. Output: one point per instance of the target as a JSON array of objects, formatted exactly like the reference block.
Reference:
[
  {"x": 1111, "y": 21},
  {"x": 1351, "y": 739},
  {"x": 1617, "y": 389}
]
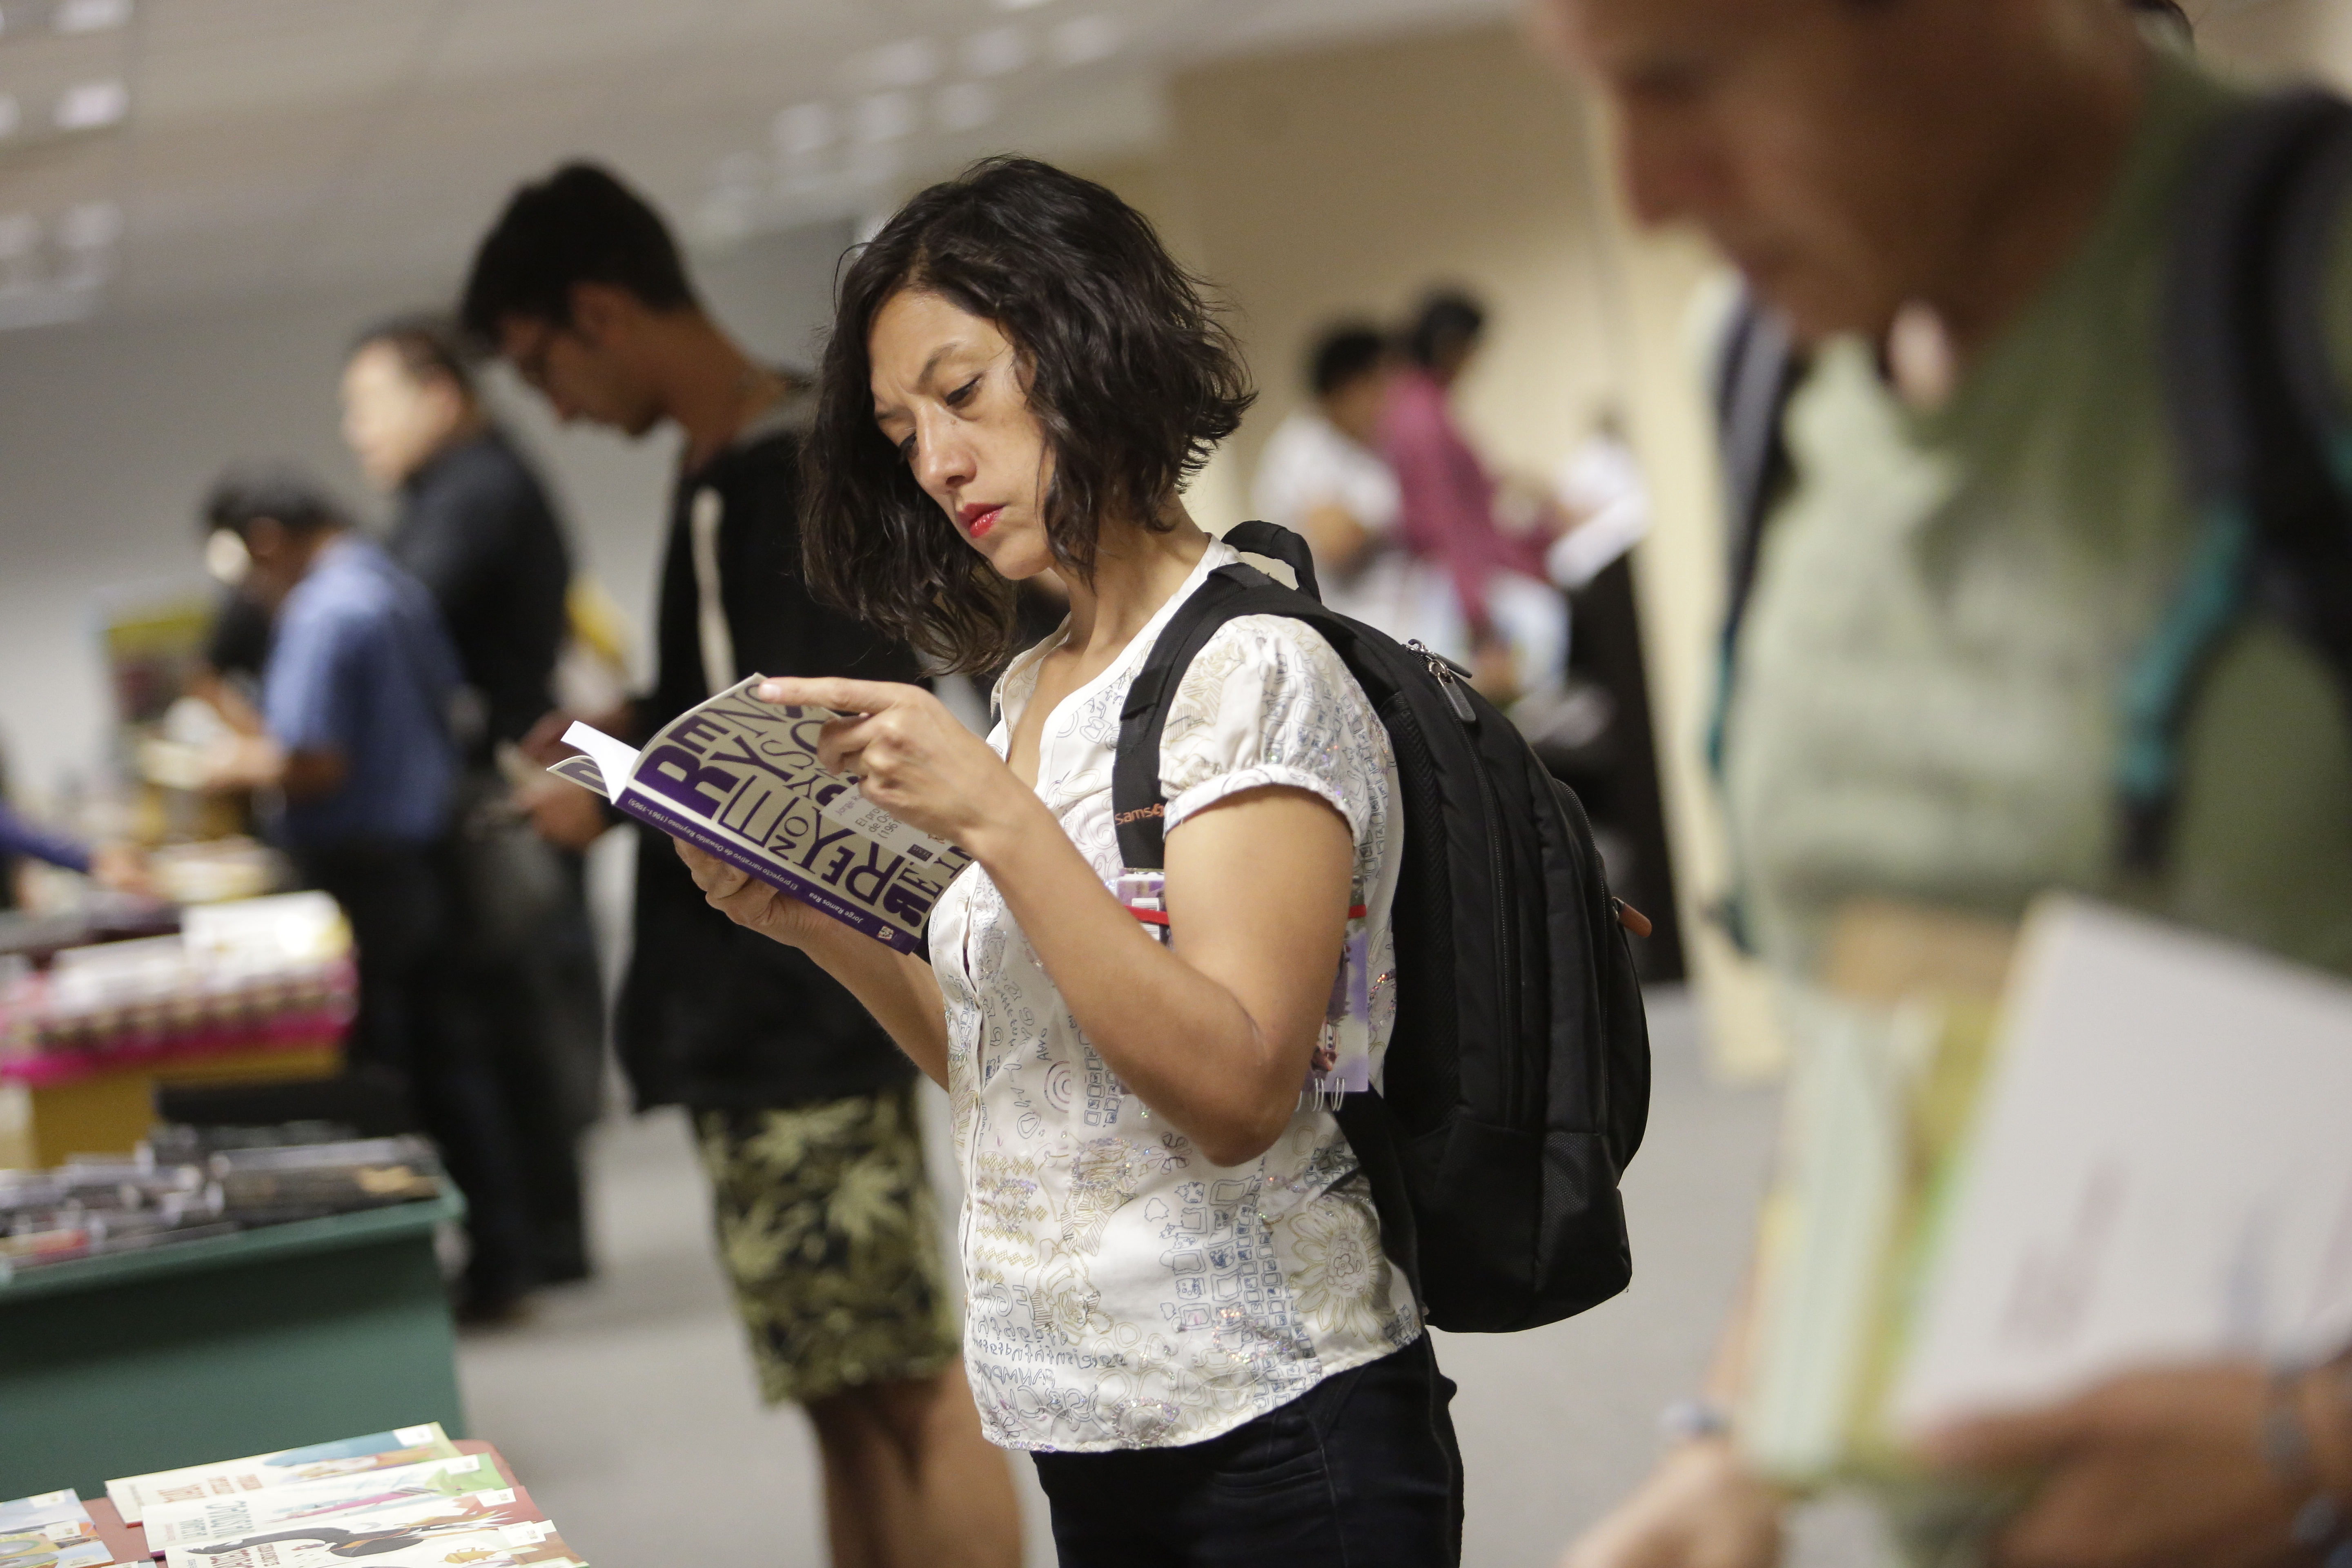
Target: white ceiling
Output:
[{"x": 274, "y": 145}]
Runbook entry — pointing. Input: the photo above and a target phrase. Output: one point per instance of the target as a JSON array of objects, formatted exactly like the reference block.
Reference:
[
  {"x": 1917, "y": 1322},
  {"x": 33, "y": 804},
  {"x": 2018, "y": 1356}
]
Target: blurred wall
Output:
[
  {"x": 2278, "y": 38},
  {"x": 1344, "y": 182},
  {"x": 111, "y": 430}
]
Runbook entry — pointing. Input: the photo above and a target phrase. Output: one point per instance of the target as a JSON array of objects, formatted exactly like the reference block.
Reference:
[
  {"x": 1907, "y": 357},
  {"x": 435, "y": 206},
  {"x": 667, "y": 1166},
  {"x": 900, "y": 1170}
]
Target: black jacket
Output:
[
  {"x": 713, "y": 1016},
  {"x": 476, "y": 527}
]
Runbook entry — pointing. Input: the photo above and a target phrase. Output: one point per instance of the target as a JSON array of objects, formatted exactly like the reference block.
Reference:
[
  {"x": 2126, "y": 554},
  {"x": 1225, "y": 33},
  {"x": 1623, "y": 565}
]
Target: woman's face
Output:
[{"x": 949, "y": 394}]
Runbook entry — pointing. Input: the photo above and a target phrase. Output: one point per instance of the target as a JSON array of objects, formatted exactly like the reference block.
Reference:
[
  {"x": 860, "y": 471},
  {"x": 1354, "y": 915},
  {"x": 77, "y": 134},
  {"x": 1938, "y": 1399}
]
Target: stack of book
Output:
[
  {"x": 274, "y": 972},
  {"x": 404, "y": 1499},
  {"x": 2020, "y": 1162},
  {"x": 185, "y": 1185}
]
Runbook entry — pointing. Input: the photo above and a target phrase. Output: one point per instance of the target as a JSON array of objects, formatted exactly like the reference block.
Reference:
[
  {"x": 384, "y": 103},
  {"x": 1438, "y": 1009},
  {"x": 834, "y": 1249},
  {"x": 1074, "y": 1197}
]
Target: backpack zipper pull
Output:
[{"x": 1443, "y": 670}]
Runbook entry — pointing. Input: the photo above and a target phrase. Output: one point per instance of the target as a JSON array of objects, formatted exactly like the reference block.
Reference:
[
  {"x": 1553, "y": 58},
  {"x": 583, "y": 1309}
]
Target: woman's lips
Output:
[{"x": 979, "y": 519}]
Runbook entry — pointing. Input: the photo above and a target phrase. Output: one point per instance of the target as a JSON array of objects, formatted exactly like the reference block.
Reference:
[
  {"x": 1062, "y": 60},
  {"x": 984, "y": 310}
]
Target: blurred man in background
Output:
[
  {"x": 1322, "y": 476},
  {"x": 1517, "y": 622},
  {"x": 806, "y": 1108},
  {"x": 473, "y": 525},
  {"x": 1966, "y": 207},
  {"x": 356, "y": 692}
]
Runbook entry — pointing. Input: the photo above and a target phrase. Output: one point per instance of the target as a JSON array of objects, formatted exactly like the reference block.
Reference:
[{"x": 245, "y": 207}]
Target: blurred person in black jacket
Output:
[
  {"x": 475, "y": 525},
  {"x": 804, "y": 1108}
]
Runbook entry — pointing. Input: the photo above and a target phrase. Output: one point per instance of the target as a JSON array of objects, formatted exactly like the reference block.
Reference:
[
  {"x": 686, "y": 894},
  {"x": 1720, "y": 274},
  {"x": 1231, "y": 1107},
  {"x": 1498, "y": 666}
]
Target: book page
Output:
[{"x": 2159, "y": 1171}]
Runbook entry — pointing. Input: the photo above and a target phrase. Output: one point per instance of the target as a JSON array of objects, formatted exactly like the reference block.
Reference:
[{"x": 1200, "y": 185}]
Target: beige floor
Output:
[{"x": 626, "y": 1405}]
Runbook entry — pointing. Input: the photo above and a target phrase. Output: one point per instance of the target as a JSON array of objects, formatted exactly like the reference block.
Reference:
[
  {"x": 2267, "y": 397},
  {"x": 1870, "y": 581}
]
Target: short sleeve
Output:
[
  {"x": 1267, "y": 703},
  {"x": 304, "y": 697}
]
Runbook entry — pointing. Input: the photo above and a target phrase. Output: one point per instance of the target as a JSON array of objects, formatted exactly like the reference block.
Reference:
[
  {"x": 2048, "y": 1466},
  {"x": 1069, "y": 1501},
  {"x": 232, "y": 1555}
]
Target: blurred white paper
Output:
[
  {"x": 2160, "y": 1171},
  {"x": 1600, "y": 483}
]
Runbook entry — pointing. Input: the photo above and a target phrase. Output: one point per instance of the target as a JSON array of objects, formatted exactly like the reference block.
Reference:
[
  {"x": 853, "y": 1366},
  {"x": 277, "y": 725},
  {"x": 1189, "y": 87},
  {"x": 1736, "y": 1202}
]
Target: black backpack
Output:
[
  {"x": 2260, "y": 425},
  {"x": 1517, "y": 1078}
]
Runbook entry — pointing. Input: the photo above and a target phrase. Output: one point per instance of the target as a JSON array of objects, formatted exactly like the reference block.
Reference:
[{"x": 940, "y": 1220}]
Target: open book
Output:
[{"x": 738, "y": 778}]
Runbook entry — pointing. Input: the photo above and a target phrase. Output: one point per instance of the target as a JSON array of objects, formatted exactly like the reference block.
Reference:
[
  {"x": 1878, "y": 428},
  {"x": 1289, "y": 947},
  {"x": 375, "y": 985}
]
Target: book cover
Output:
[
  {"x": 739, "y": 779},
  {"x": 378, "y": 1492},
  {"x": 2157, "y": 1172},
  {"x": 483, "y": 1540},
  {"x": 133, "y": 1495},
  {"x": 51, "y": 1530},
  {"x": 45, "y": 1508}
]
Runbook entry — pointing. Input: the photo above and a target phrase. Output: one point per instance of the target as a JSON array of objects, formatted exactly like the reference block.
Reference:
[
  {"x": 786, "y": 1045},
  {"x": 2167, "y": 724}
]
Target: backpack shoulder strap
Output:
[
  {"x": 2310, "y": 229},
  {"x": 1268, "y": 546},
  {"x": 1138, "y": 808},
  {"x": 2248, "y": 468}
]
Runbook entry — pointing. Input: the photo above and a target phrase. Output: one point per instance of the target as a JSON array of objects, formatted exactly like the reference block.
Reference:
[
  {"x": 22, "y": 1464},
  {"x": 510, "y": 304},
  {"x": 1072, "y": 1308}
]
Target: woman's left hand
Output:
[{"x": 909, "y": 755}]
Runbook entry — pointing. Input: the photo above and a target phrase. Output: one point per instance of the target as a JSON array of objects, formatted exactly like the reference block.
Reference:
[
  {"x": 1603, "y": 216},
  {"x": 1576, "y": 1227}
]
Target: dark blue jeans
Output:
[{"x": 1360, "y": 1471}]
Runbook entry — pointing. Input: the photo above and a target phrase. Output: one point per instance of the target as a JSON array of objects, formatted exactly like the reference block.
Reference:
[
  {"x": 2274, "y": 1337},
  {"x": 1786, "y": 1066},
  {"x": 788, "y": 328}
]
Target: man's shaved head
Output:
[{"x": 1851, "y": 155}]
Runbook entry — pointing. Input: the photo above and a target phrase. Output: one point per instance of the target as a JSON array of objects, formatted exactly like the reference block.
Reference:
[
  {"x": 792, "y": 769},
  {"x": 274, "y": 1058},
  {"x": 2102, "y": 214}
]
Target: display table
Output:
[
  {"x": 134, "y": 1362},
  {"x": 104, "y": 1104}
]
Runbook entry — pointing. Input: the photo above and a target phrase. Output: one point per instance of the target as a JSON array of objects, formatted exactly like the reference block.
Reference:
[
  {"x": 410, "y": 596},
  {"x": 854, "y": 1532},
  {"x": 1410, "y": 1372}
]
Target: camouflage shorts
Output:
[{"x": 826, "y": 1227}]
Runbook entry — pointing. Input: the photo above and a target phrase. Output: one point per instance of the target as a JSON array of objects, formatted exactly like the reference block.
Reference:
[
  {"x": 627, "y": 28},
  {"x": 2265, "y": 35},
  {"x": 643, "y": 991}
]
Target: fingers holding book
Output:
[
  {"x": 749, "y": 901},
  {"x": 910, "y": 754}
]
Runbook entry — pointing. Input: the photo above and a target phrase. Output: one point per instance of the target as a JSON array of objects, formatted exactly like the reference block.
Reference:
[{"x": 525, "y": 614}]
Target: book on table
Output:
[
  {"x": 418, "y": 1489},
  {"x": 2003, "y": 1183},
  {"x": 52, "y": 1530},
  {"x": 133, "y": 1495},
  {"x": 491, "y": 1541},
  {"x": 740, "y": 779}
]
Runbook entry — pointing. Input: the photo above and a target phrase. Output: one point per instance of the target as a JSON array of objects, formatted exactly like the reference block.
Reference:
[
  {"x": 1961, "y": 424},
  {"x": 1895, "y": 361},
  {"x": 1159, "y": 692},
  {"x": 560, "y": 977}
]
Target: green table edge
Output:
[{"x": 362, "y": 1227}]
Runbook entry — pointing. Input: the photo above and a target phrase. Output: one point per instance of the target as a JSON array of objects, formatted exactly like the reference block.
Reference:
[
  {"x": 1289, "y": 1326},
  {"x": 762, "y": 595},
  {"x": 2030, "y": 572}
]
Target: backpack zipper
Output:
[{"x": 1443, "y": 670}]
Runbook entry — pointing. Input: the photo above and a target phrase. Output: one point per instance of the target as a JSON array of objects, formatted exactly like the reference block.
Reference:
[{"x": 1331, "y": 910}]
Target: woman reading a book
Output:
[{"x": 1177, "y": 1296}]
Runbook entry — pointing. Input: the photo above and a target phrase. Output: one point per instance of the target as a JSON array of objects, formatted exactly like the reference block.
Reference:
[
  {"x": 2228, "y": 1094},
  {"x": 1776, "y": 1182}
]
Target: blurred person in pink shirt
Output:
[{"x": 1518, "y": 621}]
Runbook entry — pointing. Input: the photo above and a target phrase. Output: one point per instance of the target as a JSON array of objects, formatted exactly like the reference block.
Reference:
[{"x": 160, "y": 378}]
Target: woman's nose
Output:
[{"x": 942, "y": 463}]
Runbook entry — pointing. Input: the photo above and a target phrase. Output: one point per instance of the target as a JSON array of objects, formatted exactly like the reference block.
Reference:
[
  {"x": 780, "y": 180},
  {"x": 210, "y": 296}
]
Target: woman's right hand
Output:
[
  {"x": 1701, "y": 1508},
  {"x": 747, "y": 901}
]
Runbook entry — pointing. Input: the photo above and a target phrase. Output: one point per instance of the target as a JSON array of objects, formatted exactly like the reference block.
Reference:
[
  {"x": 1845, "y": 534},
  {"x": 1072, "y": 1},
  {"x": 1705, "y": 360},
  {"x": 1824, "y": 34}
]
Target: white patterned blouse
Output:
[{"x": 1121, "y": 1291}]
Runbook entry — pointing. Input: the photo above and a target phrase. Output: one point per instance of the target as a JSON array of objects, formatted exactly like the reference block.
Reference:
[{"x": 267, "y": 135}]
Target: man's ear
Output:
[{"x": 603, "y": 311}]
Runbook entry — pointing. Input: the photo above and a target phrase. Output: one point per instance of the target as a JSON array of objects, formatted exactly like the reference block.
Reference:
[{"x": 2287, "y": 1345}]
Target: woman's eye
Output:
[
  {"x": 907, "y": 451},
  {"x": 962, "y": 394}
]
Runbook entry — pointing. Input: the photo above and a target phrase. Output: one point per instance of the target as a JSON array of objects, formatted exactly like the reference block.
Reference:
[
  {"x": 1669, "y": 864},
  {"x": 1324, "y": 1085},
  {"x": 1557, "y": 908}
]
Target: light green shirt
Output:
[{"x": 1925, "y": 705}]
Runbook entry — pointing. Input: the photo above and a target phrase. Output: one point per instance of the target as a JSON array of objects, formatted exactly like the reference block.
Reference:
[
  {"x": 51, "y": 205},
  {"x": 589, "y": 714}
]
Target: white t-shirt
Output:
[
  {"x": 1310, "y": 462},
  {"x": 1121, "y": 1291}
]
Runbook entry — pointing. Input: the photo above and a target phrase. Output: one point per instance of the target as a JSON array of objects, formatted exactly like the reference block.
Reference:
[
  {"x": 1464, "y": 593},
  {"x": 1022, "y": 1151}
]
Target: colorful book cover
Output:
[
  {"x": 432, "y": 1483},
  {"x": 739, "y": 779},
  {"x": 69, "y": 1542},
  {"x": 133, "y": 1495},
  {"x": 46, "y": 1507},
  {"x": 484, "y": 1538}
]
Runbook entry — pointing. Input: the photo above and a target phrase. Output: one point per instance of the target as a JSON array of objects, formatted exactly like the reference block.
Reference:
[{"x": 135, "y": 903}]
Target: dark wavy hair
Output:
[{"x": 1130, "y": 371}]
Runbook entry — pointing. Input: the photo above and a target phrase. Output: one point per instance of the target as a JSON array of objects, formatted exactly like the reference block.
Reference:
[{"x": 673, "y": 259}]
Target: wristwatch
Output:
[{"x": 1694, "y": 1420}]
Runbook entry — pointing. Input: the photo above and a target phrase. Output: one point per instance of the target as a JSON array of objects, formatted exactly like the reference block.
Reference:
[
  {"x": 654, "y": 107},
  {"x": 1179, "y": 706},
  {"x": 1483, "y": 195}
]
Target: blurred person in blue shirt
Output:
[{"x": 357, "y": 693}]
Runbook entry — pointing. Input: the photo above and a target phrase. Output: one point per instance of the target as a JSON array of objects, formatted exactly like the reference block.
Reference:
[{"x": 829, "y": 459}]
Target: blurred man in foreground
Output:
[
  {"x": 474, "y": 526},
  {"x": 1966, "y": 206},
  {"x": 806, "y": 1108}
]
